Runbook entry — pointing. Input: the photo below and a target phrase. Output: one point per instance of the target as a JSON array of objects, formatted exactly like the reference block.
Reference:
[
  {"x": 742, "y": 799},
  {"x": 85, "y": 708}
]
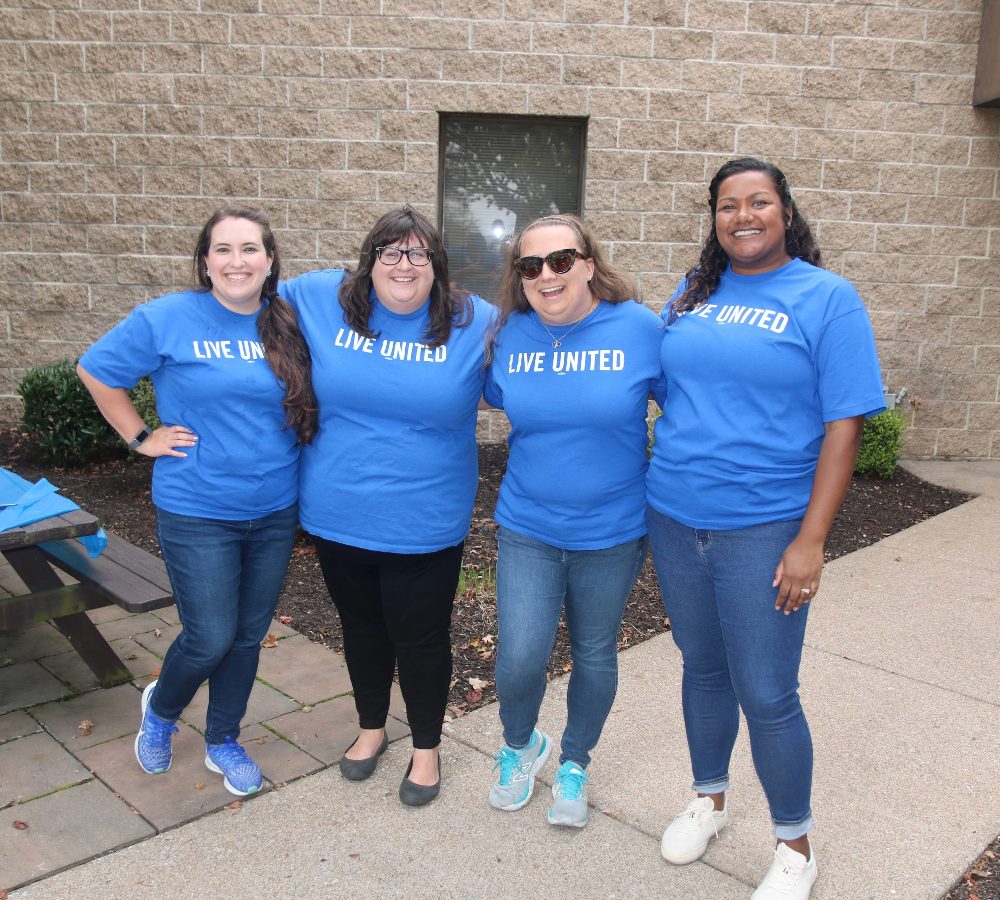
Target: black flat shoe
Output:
[
  {"x": 360, "y": 769},
  {"x": 418, "y": 794}
]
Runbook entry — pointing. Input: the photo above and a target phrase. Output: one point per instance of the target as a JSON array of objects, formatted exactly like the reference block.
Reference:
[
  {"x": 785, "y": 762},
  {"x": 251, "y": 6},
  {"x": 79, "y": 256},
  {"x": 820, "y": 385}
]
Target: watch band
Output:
[{"x": 140, "y": 437}]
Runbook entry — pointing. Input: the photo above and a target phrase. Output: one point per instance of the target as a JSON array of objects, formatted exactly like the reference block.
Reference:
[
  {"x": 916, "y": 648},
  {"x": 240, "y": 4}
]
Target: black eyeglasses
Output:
[
  {"x": 418, "y": 256},
  {"x": 560, "y": 262}
]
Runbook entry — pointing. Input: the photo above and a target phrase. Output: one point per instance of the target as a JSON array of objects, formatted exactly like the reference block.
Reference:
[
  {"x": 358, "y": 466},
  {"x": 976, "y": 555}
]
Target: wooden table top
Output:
[{"x": 77, "y": 523}]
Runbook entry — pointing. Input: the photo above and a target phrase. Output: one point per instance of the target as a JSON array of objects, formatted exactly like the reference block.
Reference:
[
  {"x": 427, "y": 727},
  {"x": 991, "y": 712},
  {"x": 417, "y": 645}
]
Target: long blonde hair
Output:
[{"x": 608, "y": 283}]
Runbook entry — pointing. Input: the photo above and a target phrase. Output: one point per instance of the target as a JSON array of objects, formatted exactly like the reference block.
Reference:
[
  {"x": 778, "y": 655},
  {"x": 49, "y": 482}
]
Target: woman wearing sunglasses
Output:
[
  {"x": 574, "y": 360},
  {"x": 387, "y": 487}
]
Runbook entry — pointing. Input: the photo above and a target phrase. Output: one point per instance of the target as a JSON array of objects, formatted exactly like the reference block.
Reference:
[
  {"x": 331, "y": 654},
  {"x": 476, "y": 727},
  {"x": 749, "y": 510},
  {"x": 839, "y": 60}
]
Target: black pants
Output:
[{"x": 395, "y": 609}]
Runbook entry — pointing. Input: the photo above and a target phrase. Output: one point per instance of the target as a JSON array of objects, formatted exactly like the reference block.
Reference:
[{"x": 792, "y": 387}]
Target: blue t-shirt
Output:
[
  {"x": 751, "y": 376},
  {"x": 395, "y": 464},
  {"x": 575, "y": 476},
  {"x": 210, "y": 375}
]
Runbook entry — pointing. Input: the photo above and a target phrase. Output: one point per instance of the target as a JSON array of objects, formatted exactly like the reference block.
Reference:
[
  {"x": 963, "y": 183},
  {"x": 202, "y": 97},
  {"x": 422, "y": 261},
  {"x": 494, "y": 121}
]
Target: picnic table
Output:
[{"x": 123, "y": 574}]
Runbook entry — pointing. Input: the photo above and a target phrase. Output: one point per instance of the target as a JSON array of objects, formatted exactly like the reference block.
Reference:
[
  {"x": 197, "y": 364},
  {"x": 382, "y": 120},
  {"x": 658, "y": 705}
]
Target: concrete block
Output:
[
  {"x": 33, "y": 642},
  {"x": 265, "y": 703},
  {"x": 279, "y": 760},
  {"x": 113, "y": 712},
  {"x": 304, "y": 670},
  {"x": 35, "y": 765},
  {"x": 15, "y": 725},
  {"x": 65, "y": 829},
  {"x": 25, "y": 684}
]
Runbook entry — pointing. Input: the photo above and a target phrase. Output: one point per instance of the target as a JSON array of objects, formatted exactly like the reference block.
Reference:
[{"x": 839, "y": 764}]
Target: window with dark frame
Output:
[{"x": 497, "y": 173}]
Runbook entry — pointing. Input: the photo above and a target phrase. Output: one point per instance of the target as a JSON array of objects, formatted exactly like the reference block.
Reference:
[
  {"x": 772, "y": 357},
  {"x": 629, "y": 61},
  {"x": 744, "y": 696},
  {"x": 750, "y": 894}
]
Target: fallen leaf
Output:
[
  {"x": 567, "y": 667},
  {"x": 477, "y": 684},
  {"x": 456, "y": 712},
  {"x": 485, "y": 656},
  {"x": 498, "y": 858},
  {"x": 155, "y": 671},
  {"x": 307, "y": 709},
  {"x": 133, "y": 810},
  {"x": 236, "y": 804},
  {"x": 284, "y": 619},
  {"x": 448, "y": 719},
  {"x": 354, "y": 855},
  {"x": 979, "y": 873},
  {"x": 199, "y": 787},
  {"x": 474, "y": 696},
  {"x": 157, "y": 632},
  {"x": 132, "y": 656},
  {"x": 270, "y": 642},
  {"x": 898, "y": 559},
  {"x": 616, "y": 709},
  {"x": 666, "y": 621},
  {"x": 20, "y": 826},
  {"x": 3, "y": 895},
  {"x": 85, "y": 726},
  {"x": 990, "y": 854},
  {"x": 262, "y": 740}
]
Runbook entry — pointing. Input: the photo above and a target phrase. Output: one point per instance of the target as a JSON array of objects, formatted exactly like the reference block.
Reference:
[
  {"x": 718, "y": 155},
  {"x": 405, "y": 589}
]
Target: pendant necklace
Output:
[{"x": 557, "y": 342}]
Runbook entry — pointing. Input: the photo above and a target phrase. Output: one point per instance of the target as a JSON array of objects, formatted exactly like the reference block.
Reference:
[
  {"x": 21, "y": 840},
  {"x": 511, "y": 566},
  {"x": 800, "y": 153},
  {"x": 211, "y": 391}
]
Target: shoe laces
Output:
[
  {"x": 784, "y": 873},
  {"x": 157, "y": 733},
  {"x": 691, "y": 819},
  {"x": 507, "y": 760},
  {"x": 571, "y": 782},
  {"x": 230, "y": 754}
]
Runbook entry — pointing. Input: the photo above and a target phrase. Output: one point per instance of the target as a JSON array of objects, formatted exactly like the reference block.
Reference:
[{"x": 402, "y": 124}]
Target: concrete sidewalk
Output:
[{"x": 899, "y": 681}]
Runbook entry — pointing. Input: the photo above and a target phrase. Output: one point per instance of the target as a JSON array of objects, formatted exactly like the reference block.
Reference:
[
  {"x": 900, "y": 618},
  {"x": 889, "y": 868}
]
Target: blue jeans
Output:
[
  {"x": 534, "y": 581},
  {"x": 738, "y": 651},
  {"x": 226, "y": 577}
]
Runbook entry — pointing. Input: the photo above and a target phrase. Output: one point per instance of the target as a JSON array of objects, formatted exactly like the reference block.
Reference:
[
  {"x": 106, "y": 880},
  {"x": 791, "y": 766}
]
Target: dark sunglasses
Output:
[{"x": 560, "y": 262}]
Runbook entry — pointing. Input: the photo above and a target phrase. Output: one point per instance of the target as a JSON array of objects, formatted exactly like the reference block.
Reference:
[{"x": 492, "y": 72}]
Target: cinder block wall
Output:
[{"x": 124, "y": 122}]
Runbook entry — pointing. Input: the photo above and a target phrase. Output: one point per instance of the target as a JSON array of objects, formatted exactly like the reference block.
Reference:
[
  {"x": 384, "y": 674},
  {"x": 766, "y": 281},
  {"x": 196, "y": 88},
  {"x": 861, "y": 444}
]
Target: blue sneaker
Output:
[
  {"x": 152, "y": 743},
  {"x": 518, "y": 769},
  {"x": 570, "y": 795},
  {"x": 241, "y": 774}
]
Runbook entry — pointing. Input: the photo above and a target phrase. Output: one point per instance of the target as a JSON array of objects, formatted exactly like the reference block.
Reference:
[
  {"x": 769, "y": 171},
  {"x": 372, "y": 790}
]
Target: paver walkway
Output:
[{"x": 898, "y": 680}]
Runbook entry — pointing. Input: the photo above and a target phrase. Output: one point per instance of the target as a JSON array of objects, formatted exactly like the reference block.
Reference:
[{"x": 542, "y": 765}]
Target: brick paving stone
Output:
[
  {"x": 108, "y": 613},
  {"x": 129, "y": 626},
  {"x": 36, "y": 765},
  {"x": 265, "y": 703},
  {"x": 114, "y": 712},
  {"x": 158, "y": 645},
  {"x": 70, "y": 668},
  {"x": 278, "y": 760},
  {"x": 170, "y": 798},
  {"x": 328, "y": 729},
  {"x": 168, "y": 614},
  {"x": 144, "y": 661},
  {"x": 64, "y": 829},
  {"x": 25, "y": 684},
  {"x": 304, "y": 670},
  {"x": 32, "y": 642},
  {"x": 10, "y": 581},
  {"x": 17, "y": 724}
]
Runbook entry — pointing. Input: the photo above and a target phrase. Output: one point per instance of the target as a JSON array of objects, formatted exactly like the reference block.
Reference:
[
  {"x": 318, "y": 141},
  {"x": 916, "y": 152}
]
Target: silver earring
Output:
[{"x": 268, "y": 274}]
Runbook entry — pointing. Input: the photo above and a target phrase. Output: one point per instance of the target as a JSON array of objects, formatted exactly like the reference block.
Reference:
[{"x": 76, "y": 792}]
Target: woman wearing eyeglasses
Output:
[
  {"x": 388, "y": 485},
  {"x": 574, "y": 360}
]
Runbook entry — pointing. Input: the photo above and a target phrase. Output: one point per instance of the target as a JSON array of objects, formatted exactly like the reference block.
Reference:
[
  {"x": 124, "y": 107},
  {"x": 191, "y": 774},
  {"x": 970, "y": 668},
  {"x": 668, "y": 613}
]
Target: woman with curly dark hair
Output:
[
  {"x": 771, "y": 370},
  {"x": 575, "y": 360},
  {"x": 388, "y": 486},
  {"x": 232, "y": 377}
]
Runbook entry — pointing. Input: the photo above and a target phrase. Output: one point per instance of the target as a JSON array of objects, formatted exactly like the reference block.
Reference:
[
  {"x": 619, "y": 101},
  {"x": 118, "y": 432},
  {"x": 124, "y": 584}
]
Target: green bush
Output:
[
  {"x": 881, "y": 445},
  {"x": 62, "y": 415}
]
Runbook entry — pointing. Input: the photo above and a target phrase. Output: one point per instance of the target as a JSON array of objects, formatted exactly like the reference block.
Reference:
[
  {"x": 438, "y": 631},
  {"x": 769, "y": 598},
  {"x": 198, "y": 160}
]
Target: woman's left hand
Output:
[{"x": 798, "y": 574}]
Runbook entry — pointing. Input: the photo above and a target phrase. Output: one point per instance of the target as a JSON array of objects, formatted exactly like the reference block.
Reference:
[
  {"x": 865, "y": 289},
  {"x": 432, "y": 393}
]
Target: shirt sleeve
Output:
[
  {"x": 124, "y": 354},
  {"x": 322, "y": 282},
  {"x": 491, "y": 390},
  {"x": 850, "y": 380}
]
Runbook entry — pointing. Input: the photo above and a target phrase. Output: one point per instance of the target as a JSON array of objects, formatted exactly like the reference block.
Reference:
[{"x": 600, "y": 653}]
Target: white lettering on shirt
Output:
[
  {"x": 409, "y": 351},
  {"x": 564, "y": 361}
]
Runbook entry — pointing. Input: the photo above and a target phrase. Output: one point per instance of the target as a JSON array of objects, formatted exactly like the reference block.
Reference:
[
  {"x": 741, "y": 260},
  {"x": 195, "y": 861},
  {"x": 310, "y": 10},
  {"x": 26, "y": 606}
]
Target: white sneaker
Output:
[
  {"x": 687, "y": 837},
  {"x": 790, "y": 877}
]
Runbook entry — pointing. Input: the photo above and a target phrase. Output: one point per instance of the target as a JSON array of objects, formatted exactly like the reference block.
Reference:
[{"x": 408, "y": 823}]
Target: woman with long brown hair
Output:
[
  {"x": 232, "y": 377},
  {"x": 388, "y": 486},
  {"x": 575, "y": 360}
]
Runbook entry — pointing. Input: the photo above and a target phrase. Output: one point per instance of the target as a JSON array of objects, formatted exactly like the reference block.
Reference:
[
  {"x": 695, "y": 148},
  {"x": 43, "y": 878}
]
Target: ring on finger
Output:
[{"x": 806, "y": 591}]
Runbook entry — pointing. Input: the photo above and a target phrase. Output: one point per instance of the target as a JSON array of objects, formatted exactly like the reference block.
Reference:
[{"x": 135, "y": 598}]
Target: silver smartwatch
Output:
[{"x": 140, "y": 437}]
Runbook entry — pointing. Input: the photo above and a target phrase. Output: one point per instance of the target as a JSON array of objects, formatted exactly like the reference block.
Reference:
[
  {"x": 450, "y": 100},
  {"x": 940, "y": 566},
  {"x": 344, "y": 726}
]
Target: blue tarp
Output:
[{"x": 22, "y": 503}]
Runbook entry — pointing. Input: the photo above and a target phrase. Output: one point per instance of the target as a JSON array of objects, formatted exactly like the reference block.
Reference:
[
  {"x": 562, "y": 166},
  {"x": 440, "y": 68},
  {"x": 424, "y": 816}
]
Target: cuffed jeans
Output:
[
  {"x": 534, "y": 581},
  {"x": 226, "y": 577},
  {"x": 739, "y": 651}
]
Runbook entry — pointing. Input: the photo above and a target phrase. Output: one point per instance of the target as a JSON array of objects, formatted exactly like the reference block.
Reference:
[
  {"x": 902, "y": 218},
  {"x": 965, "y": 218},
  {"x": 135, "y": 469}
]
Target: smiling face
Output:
[
  {"x": 750, "y": 223},
  {"x": 237, "y": 264},
  {"x": 558, "y": 299},
  {"x": 403, "y": 287}
]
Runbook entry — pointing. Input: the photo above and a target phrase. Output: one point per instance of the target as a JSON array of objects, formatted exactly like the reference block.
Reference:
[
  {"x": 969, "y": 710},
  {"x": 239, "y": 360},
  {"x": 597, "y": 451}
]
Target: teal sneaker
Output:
[
  {"x": 518, "y": 769},
  {"x": 569, "y": 792}
]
